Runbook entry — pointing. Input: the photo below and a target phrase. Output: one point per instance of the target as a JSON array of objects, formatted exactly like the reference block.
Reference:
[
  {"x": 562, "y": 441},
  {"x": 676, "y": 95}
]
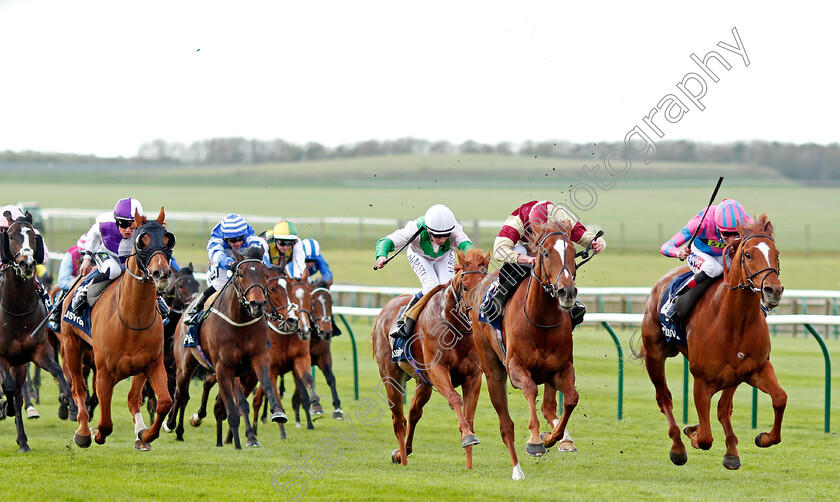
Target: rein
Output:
[
  {"x": 176, "y": 293},
  {"x": 119, "y": 295},
  {"x": 551, "y": 288},
  {"x": 240, "y": 294}
]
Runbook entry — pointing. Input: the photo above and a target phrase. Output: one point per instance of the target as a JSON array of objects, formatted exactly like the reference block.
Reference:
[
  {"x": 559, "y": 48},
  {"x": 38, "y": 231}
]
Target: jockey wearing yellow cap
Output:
[{"x": 285, "y": 248}]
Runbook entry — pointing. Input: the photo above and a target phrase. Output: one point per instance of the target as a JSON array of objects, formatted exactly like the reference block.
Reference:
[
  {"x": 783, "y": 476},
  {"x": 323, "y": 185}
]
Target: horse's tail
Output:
[{"x": 637, "y": 348}]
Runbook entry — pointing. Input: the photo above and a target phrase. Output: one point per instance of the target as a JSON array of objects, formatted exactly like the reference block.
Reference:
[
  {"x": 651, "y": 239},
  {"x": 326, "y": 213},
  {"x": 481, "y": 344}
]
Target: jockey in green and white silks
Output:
[{"x": 432, "y": 240}]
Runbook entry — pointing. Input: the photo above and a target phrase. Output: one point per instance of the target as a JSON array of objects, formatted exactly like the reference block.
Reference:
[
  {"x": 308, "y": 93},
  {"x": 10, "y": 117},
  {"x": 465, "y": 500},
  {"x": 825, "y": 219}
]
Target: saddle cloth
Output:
[{"x": 673, "y": 331}]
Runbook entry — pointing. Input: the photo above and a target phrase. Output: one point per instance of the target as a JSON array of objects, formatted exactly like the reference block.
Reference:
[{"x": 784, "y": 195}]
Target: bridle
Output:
[
  {"x": 26, "y": 253},
  {"x": 746, "y": 279},
  {"x": 551, "y": 288},
  {"x": 327, "y": 318},
  {"x": 276, "y": 315},
  {"x": 173, "y": 292}
]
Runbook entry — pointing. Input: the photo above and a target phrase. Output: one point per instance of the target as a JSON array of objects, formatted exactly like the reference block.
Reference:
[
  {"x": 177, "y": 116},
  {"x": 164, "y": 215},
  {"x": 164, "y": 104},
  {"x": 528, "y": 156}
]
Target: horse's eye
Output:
[{"x": 747, "y": 255}]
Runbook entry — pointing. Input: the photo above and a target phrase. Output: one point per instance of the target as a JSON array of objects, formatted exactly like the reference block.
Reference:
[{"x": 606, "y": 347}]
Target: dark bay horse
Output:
[
  {"x": 126, "y": 337},
  {"x": 728, "y": 343},
  {"x": 233, "y": 341},
  {"x": 181, "y": 291},
  {"x": 290, "y": 345},
  {"x": 21, "y": 310},
  {"x": 444, "y": 353},
  {"x": 319, "y": 348},
  {"x": 537, "y": 337}
]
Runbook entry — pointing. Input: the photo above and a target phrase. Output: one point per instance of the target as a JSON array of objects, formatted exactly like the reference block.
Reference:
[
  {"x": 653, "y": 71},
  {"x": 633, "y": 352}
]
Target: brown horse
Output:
[
  {"x": 444, "y": 354},
  {"x": 537, "y": 337},
  {"x": 290, "y": 345},
  {"x": 319, "y": 348},
  {"x": 233, "y": 341},
  {"x": 126, "y": 337},
  {"x": 21, "y": 310},
  {"x": 728, "y": 343}
]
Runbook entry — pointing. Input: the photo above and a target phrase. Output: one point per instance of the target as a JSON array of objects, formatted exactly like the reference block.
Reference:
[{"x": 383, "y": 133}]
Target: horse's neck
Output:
[
  {"x": 737, "y": 305},
  {"x": 539, "y": 305},
  {"x": 229, "y": 301},
  {"x": 449, "y": 309},
  {"x": 17, "y": 289},
  {"x": 136, "y": 297}
]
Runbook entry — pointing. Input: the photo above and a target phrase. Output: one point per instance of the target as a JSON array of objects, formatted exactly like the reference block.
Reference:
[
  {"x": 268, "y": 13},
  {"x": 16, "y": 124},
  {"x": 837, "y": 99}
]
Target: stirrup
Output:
[{"x": 192, "y": 317}]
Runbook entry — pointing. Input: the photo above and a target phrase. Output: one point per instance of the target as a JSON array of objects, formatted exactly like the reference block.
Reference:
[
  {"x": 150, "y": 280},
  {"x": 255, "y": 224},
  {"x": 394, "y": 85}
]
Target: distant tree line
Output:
[{"x": 804, "y": 162}]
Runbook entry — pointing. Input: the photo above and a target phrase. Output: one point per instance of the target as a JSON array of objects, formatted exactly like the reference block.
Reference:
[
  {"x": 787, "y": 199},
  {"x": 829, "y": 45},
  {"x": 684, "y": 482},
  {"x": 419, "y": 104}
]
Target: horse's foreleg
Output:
[
  {"x": 13, "y": 380},
  {"x": 250, "y": 434},
  {"x": 260, "y": 366},
  {"x": 655, "y": 365},
  {"x": 521, "y": 379},
  {"x": 565, "y": 381},
  {"x": 422, "y": 394},
  {"x": 724, "y": 414},
  {"x": 300, "y": 391},
  {"x": 549, "y": 405},
  {"x": 255, "y": 405},
  {"x": 765, "y": 381},
  {"x": 701, "y": 437},
  {"x": 325, "y": 363},
  {"x": 45, "y": 358},
  {"x": 156, "y": 374},
  {"x": 395, "y": 390},
  {"x": 226, "y": 381},
  {"x": 439, "y": 376},
  {"x": 471, "y": 389},
  {"x": 198, "y": 416},
  {"x": 303, "y": 369},
  {"x": 104, "y": 391},
  {"x": 182, "y": 395}
]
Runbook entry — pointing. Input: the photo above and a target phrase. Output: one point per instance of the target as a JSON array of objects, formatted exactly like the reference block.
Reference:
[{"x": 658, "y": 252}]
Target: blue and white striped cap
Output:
[
  {"x": 234, "y": 225},
  {"x": 311, "y": 249}
]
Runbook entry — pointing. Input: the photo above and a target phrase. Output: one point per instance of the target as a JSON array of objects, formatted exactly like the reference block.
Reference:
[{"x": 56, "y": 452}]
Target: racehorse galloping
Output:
[
  {"x": 181, "y": 291},
  {"x": 319, "y": 348},
  {"x": 21, "y": 310},
  {"x": 290, "y": 347},
  {"x": 444, "y": 353},
  {"x": 537, "y": 337},
  {"x": 233, "y": 341},
  {"x": 728, "y": 343},
  {"x": 126, "y": 337}
]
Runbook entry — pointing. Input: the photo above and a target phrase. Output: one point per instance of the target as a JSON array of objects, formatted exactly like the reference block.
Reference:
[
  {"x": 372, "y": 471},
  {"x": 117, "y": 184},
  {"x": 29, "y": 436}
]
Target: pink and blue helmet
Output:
[{"x": 729, "y": 214}]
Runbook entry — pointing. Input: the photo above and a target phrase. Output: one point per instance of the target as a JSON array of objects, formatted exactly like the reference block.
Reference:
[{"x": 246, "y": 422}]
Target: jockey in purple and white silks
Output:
[
  {"x": 233, "y": 232},
  {"x": 431, "y": 240},
  {"x": 705, "y": 256},
  {"x": 109, "y": 243}
]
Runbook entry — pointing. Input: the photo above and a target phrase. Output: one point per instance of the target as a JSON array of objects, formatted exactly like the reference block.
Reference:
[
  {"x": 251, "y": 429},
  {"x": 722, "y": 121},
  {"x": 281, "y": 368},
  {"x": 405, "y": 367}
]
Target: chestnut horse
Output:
[
  {"x": 290, "y": 345},
  {"x": 537, "y": 337},
  {"x": 21, "y": 311},
  {"x": 319, "y": 348},
  {"x": 444, "y": 353},
  {"x": 233, "y": 341},
  {"x": 126, "y": 337},
  {"x": 728, "y": 343}
]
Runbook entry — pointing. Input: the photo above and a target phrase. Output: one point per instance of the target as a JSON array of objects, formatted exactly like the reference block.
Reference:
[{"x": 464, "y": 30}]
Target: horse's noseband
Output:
[
  {"x": 746, "y": 279},
  {"x": 237, "y": 278},
  {"x": 552, "y": 288}
]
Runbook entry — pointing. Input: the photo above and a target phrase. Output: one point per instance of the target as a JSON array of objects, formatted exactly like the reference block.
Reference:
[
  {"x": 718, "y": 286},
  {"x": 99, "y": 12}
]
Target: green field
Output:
[{"x": 625, "y": 459}]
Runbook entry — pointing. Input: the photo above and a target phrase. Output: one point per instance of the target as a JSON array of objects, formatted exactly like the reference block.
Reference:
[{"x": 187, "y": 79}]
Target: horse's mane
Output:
[
  {"x": 475, "y": 257},
  {"x": 253, "y": 253},
  {"x": 760, "y": 225},
  {"x": 536, "y": 230}
]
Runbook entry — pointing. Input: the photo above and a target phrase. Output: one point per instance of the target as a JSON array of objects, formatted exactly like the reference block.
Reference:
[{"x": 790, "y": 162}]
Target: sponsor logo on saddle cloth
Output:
[
  {"x": 398, "y": 352},
  {"x": 80, "y": 321},
  {"x": 673, "y": 331}
]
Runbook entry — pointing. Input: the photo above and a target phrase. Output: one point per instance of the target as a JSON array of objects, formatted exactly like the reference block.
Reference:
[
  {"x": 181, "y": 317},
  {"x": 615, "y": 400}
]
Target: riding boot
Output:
[
  {"x": 163, "y": 308},
  {"x": 577, "y": 312},
  {"x": 413, "y": 312},
  {"x": 44, "y": 294},
  {"x": 55, "y": 317},
  {"x": 81, "y": 297},
  {"x": 335, "y": 330},
  {"x": 677, "y": 309},
  {"x": 192, "y": 315},
  {"x": 399, "y": 328},
  {"x": 510, "y": 276}
]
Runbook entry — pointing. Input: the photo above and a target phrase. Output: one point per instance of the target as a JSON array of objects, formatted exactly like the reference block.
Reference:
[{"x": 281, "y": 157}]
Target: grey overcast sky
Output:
[{"x": 102, "y": 77}]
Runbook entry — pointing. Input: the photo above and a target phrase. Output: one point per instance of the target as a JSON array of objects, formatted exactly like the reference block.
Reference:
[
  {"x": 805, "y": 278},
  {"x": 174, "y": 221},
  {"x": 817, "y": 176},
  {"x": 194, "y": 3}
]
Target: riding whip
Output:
[
  {"x": 696, "y": 230},
  {"x": 400, "y": 250},
  {"x": 56, "y": 305}
]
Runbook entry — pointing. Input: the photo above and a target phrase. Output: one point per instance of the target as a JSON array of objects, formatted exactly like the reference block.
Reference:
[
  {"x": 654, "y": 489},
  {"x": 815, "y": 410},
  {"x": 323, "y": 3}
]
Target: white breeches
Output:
[{"x": 432, "y": 271}]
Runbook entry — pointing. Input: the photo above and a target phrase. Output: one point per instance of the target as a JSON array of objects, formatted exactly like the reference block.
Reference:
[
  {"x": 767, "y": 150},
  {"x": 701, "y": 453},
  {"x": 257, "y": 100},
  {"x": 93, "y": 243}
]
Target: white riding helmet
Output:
[{"x": 440, "y": 220}]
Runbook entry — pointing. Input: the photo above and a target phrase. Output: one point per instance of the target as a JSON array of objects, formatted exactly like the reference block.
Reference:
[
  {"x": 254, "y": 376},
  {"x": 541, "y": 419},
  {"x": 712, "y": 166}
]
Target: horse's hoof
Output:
[
  {"x": 469, "y": 440},
  {"x": 762, "y": 440},
  {"x": 63, "y": 413},
  {"x": 264, "y": 420},
  {"x": 394, "y": 458},
  {"x": 316, "y": 410},
  {"x": 167, "y": 429},
  {"x": 24, "y": 449},
  {"x": 535, "y": 449},
  {"x": 690, "y": 430},
  {"x": 298, "y": 425},
  {"x": 81, "y": 441},
  {"x": 97, "y": 436},
  {"x": 567, "y": 446},
  {"x": 338, "y": 414},
  {"x": 731, "y": 462},
  {"x": 31, "y": 412},
  {"x": 253, "y": 443},
  {"x": 279, "y": 417},
  {"x": 517, "y": 474},
  {"x": 678, "y": 458},
  {"x": 195, "y": 421},
  {"x": 142, "y": 445},
  {"x": 140, "y": 435}
]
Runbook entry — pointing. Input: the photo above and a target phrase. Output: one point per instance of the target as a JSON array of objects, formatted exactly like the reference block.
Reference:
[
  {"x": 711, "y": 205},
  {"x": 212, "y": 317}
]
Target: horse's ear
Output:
[
  {"x": 39, "y": 249},
  {"x": 5, "y": 251},
  {"x": 8, "y": 216},
  {"x": 236, "y": 255},
  {"x": 161, "y": 216},
  {"x": 27, "y": 217},
  {"x": 138, "y": 219},
  {"x": 189, "y": 268},
  {"x": 461, "y": 256},
  {"x": 768, "y": 227},
  {"x": 305, "y": 275}
]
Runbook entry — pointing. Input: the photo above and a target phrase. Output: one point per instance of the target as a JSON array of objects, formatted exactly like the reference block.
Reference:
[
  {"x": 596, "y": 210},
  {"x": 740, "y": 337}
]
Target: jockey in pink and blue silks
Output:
[{"x": 705, "y": 255}]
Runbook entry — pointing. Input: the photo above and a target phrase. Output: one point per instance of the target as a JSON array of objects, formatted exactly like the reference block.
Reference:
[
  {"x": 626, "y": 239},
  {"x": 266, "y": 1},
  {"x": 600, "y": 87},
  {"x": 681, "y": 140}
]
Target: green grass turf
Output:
[{"x": 626, "y": 459}]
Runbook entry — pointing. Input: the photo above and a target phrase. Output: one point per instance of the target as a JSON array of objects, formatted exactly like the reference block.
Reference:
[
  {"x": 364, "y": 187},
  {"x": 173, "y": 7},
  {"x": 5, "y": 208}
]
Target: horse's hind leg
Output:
[
  {"x": 701, "y": 436},
  {"x": 724, "y": 414},
  {"x": 135, "y": 401},
  {"x": 422, "y": 394},
  {"x": 655, "y": 365},
  {"x": 226, "y": 381},
  {"x": 471, "y": 389},
  {"x": 325, "y": 363},
  {"x": 765, "y": 381},
  {"x": 45, "y": 358},
  {"x": 26, "y": 389},
  {"x": 73, "y": 357},
  {"x": 198, "y": 416},
  {"x": 395, "y": 390}
]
